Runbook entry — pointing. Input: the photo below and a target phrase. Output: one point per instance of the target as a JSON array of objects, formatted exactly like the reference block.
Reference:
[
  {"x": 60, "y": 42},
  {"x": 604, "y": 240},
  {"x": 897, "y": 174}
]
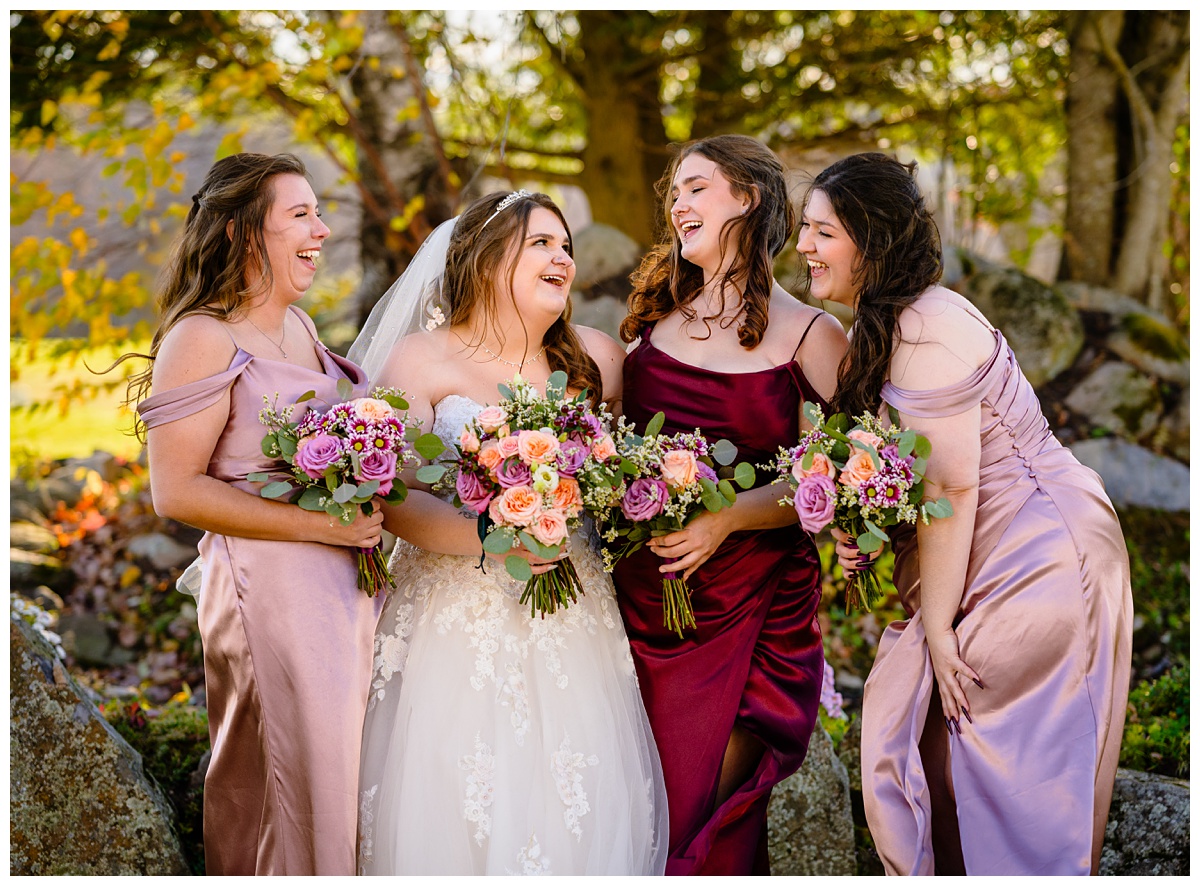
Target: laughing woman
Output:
[{"x": 993, "y": 715}]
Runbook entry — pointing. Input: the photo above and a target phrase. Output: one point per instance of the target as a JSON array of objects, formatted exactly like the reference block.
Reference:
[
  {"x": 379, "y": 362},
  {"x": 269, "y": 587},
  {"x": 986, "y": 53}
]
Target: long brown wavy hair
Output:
[
  {"x": 665, "y": 281},
  {"x": 877, "y": 201},
  {"x": 210, "y": 265},
  {"x": 474, "y": 265}
]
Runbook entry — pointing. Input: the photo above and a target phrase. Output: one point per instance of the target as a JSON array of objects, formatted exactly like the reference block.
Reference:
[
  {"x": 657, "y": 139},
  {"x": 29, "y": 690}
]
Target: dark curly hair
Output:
[
  {"x": 877, "y": 201},
  {"x": 665, "y": 281}
]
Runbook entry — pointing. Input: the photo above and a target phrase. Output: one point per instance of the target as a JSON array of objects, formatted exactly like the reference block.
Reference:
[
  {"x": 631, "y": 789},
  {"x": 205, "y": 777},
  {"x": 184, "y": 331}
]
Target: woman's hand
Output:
[
  {"x": 848, "y": 554},
  {"x": 364, "y": 531},
  {"x": 951, "y": 673},
  {"x": 691, "y": 546},
  {"x": 536, "y": 563}
]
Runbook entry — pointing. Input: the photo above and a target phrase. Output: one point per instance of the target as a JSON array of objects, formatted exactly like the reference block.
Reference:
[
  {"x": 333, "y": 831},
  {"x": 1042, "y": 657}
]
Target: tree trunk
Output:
[
  {"x": 626, "y": 148},
  {"x": 1092, "y": 159}
]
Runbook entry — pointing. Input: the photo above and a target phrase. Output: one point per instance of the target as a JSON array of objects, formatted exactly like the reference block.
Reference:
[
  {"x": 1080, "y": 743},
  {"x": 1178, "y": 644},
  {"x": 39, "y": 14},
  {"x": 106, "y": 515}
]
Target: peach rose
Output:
[
  {"x": 467, "y": 441},
  {"x": 549, "y": 527},
  {"x": 370, "y": 409},
  {"x": 489, "y": 455},
  {"x": 820, "y": 465},
  {"x": 519, "y": 505},
  {"x": 865, "y": 437},
  {"x": 567, "y": 496},
  {"x": 537, "y": 447},
  {"x": 490, "y": 419},
  {"x": 604, "y": 448},
  {"x": 508, "y": 446},
  {"x": 858, "y": 470},
  {"x": 679, "y": 468}
]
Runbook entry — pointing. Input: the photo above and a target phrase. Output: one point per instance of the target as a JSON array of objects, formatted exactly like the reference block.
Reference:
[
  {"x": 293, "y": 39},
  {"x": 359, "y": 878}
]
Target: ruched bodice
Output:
[
  {"x": 755, "y": 657},
  {"x": 1045, "y": 620},
  {"x": 287, "y": 641}
]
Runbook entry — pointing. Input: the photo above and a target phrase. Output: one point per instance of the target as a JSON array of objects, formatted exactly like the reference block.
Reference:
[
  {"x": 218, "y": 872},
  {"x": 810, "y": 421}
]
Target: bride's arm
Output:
[{"x": 610, "y": 358}]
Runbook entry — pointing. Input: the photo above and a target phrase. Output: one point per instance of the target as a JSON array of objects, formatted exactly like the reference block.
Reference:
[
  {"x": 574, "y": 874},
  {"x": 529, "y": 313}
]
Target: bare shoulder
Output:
[
  {"x": 197, "y": 346},
  {"x": 415, "y": 360},
  {"x": 601, "y": 346},
  {"x": 942, "y": 339},
  {"x": 793, "y": 320}
]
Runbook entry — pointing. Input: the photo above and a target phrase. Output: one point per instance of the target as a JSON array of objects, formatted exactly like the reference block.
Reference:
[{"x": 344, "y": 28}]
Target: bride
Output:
[{"x": 497, "y": 743}]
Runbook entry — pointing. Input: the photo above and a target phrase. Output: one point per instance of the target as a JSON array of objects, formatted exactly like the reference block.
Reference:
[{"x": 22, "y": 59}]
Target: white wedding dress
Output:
[{"x": 498, "y": 743}]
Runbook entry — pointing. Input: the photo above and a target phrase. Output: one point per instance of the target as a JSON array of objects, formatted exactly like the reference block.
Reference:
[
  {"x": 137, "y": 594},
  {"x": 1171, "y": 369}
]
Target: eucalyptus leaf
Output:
[
  {"x": 345, "y": 388},
  {"x": 258, "y": 477},
  {"x": 655, "y": 425},
  {"x": 431, "y": 473},
  {"x": 922, "y": 447},
  {"x": 518, "y": 568},
  {"x": 724, "y": 452},
  {"x": 429, "y": 446},
  {"x": 838, "y": 424},
  {"x": 270, "y": 446},
  {"x": 812, "y": 412},
  {"x": 395, "y": 402},
  {"x": 276, "y": 489},
  {"x": 306, "y": 396},
  {"x": 546, "y": 552},
  {"x": 505, "y": 391},
  {"x": 313, "y": 498},
  {"x": 908, "y": 439},
  {"x": 726, "y": 489},
  {"x": 868, "y": 543},
  {"x": 743, "y": 475},
  {"x": 711, "y": 497},
  {"x": 287, "y": 446},
  {"x": 366, "y": 490},
  {"x": 557, "y": 382},
  {"x": 498, "y": 542},
  {"x": 893, "y": 415},
  {"x": 628, "y": 467},
  {"x": 875, "y": 530},
  {"x": 344, "y": 493},
  {"x": 939, "y": 508}
]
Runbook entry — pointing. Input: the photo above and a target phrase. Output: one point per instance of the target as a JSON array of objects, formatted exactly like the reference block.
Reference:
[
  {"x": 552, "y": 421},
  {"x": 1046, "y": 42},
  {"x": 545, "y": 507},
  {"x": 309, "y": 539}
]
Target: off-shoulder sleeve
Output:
[
  {"x": 951, "y": 399},
  {"x": 185, "y": 400}
]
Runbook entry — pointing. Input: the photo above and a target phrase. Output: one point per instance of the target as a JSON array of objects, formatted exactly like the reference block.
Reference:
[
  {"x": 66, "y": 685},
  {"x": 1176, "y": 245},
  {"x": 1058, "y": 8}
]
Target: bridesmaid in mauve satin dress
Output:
[
  {"x": 287, "y": 636},
  {"x": 993, "y": 715},
  {"x": 734, "y": 702}
]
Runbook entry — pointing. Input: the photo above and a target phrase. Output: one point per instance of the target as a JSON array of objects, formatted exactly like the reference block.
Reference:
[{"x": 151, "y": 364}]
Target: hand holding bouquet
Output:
[
  {"x": 341, "y": 459},
  {"x": 528, "y": 468},
  {"x": 669, "y": 480},
  {"x": 861, "y": 477}
]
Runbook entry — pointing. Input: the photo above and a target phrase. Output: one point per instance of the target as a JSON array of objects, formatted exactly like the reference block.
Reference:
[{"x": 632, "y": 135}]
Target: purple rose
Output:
[
  {"x": 570, "y": 456},
  {"x": 814, "y": 501},
  {"x": 475, "y": 492},
  {"x": 513, "y": 472},
  {"x": 644, "y": 499},
  {"x": 704, "y": 470},
  {"x": 378, "y": 465},
  {"x": 891, "y": 452},
  {"x": 316, "y": 453}
]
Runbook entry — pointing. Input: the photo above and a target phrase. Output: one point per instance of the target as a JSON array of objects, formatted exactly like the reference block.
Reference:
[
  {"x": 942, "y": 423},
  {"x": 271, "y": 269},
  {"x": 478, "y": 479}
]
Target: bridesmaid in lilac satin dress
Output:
[
  {"x": 287, "y": 635},
  {"x": 720, "y": 346},
  {"x": 993, "y": 715}
]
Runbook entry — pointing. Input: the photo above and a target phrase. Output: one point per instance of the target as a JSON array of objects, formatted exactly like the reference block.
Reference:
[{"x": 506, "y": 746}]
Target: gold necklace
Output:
[
  {"x": 500, "y": 359},
  {"x": 279, "y": 346}
]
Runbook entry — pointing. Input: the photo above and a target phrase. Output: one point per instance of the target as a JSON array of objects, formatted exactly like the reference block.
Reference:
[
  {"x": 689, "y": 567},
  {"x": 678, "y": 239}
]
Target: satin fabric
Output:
[
  {"x": 287, "y": 641},
  {"x": 1045, "y": 621},
  {"x": 755, "y": 657}
]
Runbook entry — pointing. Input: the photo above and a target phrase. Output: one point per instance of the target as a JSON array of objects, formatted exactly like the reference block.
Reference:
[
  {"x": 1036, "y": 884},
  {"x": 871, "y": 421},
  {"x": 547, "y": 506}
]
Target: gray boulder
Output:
[
  {"x": 32, "y": 536},
  {"x": 28, "y": 569},
  {"x": 1149, "y": 827},
  {"x": 602, "y": 252},
  {"x": 161, "y": 550},
  {"x": 604, "y": 313},
  {"x": 1118, "y": 398},
  {"x": 1174, "y": 435},
  {"x": 810, "y": 826},
  {"x": 1135, "y": 476},
  {"x": 79, "y": 801},
  {"x": 1152, "y": 345},
  {"x": 1041, "y": 325}
]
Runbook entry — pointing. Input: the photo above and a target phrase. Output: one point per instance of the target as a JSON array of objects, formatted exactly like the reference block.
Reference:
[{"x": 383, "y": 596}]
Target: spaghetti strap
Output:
[
  {"x": 307, "y": 322},
  {"x": 803, "y": 337}
]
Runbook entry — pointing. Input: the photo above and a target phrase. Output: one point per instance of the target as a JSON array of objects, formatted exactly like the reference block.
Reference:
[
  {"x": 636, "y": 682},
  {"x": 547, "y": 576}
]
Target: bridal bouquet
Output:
[
  {"x": 670, "y": 479},
  {"x": 862, "y": 478},
  {"x": 529, "y": 467},
  {"x": 342, "y": 458}
]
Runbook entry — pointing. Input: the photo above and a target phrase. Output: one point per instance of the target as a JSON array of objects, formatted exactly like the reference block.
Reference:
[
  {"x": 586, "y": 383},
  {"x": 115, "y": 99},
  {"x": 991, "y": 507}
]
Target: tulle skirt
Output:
[{"x": 497, "y": 743}]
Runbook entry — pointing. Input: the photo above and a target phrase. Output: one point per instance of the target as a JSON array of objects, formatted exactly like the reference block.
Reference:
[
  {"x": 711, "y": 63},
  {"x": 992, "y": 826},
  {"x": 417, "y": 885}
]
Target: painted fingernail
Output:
[
  {"x": 957, "y": 728},
  {"x": 967, "y": 714},
  {"x": 977, "y": 683},
  {"x": 948, "y": 727}
]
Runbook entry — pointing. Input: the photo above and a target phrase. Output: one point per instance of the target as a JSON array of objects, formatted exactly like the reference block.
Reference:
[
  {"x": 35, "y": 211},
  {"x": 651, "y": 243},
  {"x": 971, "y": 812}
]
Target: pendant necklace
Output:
[{"x": 279, "y": 346}]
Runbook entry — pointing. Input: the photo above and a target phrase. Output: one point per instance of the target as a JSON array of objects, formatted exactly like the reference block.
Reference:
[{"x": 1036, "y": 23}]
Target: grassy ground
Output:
[{"x": 45, "y": 423}]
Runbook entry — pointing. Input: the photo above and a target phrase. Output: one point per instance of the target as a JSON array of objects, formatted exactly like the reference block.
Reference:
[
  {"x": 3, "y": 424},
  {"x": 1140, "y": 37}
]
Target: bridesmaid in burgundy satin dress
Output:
[{"x": 733, "y": 703}]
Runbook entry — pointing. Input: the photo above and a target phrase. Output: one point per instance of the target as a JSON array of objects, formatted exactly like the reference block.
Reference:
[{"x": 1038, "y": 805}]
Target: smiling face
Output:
[
  {"x": 701, "y": 202},
  {"x": 293, "y": 234},
  {"x": 831, "y": 255},
  {"x": 542, "y": 268}
]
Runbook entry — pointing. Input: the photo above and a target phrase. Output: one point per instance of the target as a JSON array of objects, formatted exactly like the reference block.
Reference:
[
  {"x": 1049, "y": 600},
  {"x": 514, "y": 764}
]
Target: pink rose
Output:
[
  {"x": 821, "y": 464},
  {"x": 679, "y": 468},
  {"x": 508, "y": 446},
  {"x": 866, "y": 437},
  {"x": 378, "y": 465},
  {"x": 549, "y": 527},
  {"x": 316, "y": 453},
  {"x": 567, "y": 496},
  {"x": 467, "y": 441},
  {"x": 604, "y": 448},
  {"x": 537, "y": 447},
  {"x": 372, "y": 410},
  {"x": 490, "y": 419},
  {"x": 518, "y": 506},
  {"x": 858, "y": 470},
  {"x": 814, "y": 501},
  {"x": 489, "y": 455},
  {"x": 474, "y": 492}
]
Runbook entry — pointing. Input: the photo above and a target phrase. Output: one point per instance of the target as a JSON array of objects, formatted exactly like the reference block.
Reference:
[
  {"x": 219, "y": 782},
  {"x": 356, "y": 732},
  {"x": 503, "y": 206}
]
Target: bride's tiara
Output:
[{"x": 505, "y": 203}]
